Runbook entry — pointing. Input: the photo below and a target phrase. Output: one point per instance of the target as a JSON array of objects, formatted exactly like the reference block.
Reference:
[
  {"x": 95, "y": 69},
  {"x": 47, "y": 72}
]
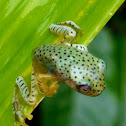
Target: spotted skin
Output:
[
  {"x": 73, "y": 65},
  {"x": 62, "y": 61}
]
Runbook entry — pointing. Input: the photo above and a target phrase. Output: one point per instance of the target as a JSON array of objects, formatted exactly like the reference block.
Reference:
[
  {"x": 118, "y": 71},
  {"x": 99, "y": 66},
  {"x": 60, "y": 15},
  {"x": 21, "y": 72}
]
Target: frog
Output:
[{"x": 62, "y": 61}]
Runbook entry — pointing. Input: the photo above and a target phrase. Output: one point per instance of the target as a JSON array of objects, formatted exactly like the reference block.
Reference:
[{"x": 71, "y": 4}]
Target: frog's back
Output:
[
  {"x": 55, "y": 56},
  {"x": 61, "y": 59}
]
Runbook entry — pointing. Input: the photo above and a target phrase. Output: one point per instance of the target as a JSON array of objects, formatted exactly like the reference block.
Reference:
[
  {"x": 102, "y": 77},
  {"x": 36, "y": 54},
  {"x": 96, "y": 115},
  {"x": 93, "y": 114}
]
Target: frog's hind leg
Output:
[
  {"x": 17, "y": 110},
  {"x": 66, "y": 29},
  {"x": 29, "y": 98},
  {"x": 66, "y": 32},
  {"x": 73, "y": 25}
]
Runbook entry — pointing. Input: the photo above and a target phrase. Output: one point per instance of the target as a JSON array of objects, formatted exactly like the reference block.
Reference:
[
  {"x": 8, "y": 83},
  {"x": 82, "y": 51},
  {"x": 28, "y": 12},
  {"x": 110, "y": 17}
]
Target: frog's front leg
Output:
[
  {"x": 67, "y": 29},
  {"x": 48, "y": 84},
  {"x": 41, "y": 85}
]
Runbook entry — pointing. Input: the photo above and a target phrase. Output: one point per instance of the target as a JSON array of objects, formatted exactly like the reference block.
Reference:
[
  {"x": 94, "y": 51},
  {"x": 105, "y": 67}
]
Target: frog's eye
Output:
[{"x": 84, "y": 88}]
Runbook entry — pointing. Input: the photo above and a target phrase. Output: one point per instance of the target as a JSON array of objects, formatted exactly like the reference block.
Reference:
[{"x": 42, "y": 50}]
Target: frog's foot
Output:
[
  {"x": 19, "y": 112},
  {"x": 48, "y": 84},
  {"x": 66, "y": 29},
  {"x": 23, "y": 110}
]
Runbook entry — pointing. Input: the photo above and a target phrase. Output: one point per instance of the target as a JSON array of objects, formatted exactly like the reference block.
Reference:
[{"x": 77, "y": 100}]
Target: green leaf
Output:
[{"x": 24, "y": 26}]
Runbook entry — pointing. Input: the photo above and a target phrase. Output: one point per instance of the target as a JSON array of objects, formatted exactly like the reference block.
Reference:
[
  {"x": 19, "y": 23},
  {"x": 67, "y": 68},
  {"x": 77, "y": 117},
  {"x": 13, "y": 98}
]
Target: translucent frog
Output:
[{"x": 62, "y": 61}]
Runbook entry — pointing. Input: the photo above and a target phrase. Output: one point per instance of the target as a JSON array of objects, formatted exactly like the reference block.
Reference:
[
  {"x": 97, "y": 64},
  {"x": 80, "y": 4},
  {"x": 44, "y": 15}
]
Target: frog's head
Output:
[{"x": 88, "y": 80}]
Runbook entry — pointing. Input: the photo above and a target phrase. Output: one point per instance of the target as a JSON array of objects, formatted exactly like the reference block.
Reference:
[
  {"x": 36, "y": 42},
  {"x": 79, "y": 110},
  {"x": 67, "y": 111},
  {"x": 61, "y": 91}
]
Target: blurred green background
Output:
[
  {"x": 24, "y": 26},
  {"x": 69, "y": 108}
]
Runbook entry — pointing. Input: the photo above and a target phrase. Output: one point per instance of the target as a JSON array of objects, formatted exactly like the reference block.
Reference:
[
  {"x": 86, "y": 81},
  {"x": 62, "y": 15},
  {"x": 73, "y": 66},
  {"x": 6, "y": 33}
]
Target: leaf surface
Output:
[{"x": 24, "y": 26}]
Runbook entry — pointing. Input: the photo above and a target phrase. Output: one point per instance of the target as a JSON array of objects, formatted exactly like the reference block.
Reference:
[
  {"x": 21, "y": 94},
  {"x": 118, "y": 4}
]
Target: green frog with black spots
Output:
[{"x": 62, "y": 61}]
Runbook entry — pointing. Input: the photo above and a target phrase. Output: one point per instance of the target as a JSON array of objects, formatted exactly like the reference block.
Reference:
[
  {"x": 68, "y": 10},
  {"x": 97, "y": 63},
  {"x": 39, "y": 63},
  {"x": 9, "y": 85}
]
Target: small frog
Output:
[{"x": 62, "y": 61}]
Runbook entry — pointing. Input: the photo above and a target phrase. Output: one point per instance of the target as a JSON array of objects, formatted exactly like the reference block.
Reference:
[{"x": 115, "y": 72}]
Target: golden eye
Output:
[{"x": 84, "y": 88}]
